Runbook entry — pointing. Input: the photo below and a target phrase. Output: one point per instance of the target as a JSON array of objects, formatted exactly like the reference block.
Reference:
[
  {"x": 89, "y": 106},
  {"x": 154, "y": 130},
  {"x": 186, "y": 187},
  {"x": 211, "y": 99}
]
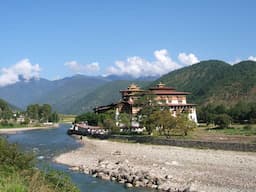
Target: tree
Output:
[
  {"x": 240, "y": 112},
  {"x": 252, "y": 113},
  {"x": 163, "y": 121},
  {"x": 125, "y": 120},
  {"x": 148, "y": 107},
  {"x": 222, "y": 121},
  {"x": 54, "y": 117},
  {"x": 33, "y": 111},
  {"x": 45, "y": 112},
  {"x": 108, "y": 121},
  {"x": 184, "y": 124},
  {"x": 5, "y": 111},
  {"x": 42, "y": 113},
  {"x": 169, "y": 122},
  {"x": 89, "y": 117},
  {"x": 220, "y": 109}
]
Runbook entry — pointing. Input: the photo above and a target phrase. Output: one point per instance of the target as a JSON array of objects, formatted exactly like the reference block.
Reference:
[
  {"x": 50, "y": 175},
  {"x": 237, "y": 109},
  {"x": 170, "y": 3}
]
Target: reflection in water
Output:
[{"x": 48, "y": 143}]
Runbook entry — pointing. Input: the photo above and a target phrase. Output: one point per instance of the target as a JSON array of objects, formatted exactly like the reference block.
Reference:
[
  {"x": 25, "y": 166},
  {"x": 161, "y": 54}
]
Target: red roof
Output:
[
  {"x": 162, "y": 88},
  {"x": 160, "y": 92}
]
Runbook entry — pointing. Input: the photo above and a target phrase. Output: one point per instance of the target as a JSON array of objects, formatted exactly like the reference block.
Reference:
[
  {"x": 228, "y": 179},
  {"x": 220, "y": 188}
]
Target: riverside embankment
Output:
[
  {"x": 14, "y": 130},
  {"x": 164, "y": 167}
]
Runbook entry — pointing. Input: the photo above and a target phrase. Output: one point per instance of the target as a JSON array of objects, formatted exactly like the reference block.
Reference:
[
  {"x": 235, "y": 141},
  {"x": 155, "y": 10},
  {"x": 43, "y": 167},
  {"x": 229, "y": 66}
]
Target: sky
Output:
[{"x": 54, "y": 39}]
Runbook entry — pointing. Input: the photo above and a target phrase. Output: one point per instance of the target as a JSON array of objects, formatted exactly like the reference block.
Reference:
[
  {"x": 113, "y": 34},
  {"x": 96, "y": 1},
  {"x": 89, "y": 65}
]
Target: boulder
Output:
[{"x": 128, "y": 185}]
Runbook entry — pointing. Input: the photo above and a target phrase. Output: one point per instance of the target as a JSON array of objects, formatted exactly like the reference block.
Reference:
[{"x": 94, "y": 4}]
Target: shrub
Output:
[
  {"x": 247, "y": 127},
  {"x": 17, "y": 173},
  {"x": 222, "y": 121}
]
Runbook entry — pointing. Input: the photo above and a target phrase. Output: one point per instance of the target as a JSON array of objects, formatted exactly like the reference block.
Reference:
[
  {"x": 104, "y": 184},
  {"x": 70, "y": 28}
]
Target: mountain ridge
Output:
[
  {"x": 214, "y": 81},
  {"x": 211, "y": 81}
]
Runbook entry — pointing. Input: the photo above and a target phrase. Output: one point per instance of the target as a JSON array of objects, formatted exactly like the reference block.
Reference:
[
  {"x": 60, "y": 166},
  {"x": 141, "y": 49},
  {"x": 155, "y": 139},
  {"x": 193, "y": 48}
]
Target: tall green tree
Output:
[
  {"x": 33, "y": 111},
  {"x": 89, "y": 117},
  {"x": 5, "y": 111},
  {"x": 184, "y": 124},
  {"x": 41, "y": 113},
  {"x": 45, "y": 112},
  {"x": 125, "y": 119},
  {"x": 54, "y": 117},
  {"x": 222, "y": 120}
]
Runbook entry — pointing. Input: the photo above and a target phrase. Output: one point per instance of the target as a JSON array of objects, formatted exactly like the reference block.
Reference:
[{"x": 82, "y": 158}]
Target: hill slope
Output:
[
  {"x": 70, "y": 89},
  {"x": 103, "y": 95},
  {"x": 5, "y": 105},
  {"x": 215, "y": 81},
  {"x": 57, "y": 93}
]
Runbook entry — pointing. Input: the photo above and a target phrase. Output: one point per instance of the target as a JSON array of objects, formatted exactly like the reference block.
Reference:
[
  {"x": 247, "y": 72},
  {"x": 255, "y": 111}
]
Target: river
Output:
[{"x": 50, "y": 142}]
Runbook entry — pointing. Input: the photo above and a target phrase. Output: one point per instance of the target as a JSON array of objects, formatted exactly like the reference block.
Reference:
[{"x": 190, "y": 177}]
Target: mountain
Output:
[
  {"x": 103, "y": 95},
  {"x": 5, "y": 105},
  {"x": 131, "y": 78},
  {"x": 71, "y": 95},
  {"x": 70, "y": 89},
  {"x": 210, "y": 81},
  {"x": 215, "y": 82},
  {"x": 57, "y": 93},
  {"x": 23, "y": 93}
]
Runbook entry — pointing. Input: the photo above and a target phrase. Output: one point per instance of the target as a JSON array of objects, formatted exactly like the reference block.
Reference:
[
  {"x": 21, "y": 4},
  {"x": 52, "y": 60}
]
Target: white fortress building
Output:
[{"x": 164, "y": 96}]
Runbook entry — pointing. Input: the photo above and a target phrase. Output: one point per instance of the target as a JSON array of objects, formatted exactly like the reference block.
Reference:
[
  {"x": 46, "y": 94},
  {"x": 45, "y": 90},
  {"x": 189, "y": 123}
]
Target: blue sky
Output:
[{"x": 54, "y": 39}]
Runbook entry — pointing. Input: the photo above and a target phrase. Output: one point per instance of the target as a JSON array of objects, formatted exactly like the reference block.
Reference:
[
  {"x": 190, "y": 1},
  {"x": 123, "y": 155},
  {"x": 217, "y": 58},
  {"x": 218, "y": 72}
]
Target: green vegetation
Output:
[
  {"x": 106, "y": 120},
  {"x": 60, "y": 94},
  {"x": 215, "y": 82},
  {"x": 5, "y": 110},
  {"x": 42, "y": 113},
  {"x": 234, "y": 129},
  {"x": 103, "y": 95},
  {"x": 17, "y": 173},
  {"x": 160, "y": 122},
  {"x": 66, "y": 118},
  {"x": 164, "y": 123},
  {"x": 35, "y": 115},
  {"x": 210, "y": 82},
  {"x": 222, "y": 116}
]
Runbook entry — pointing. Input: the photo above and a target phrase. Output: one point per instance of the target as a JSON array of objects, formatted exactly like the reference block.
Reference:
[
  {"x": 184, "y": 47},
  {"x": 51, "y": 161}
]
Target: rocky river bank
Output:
[
  {"x": 164, "y": 168},
  {"x": 124, "y": 173}
]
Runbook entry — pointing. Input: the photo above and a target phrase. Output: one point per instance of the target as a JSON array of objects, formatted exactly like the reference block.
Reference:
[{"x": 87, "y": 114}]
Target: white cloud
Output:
[
  {"x": 80, "y": 68},
  {"x": 137, "y": 66},
  {"x": 253, "y": 58},
  {"x": 237, "y": 60},
  {"x": 22, "y": 69},
  {"x": 188, "y": 59}
]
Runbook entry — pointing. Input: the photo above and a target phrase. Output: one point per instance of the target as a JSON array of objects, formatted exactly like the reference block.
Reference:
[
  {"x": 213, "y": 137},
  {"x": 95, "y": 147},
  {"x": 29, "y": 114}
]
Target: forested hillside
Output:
[
  {"x": 215, "y": 82},
  {"x": 210, "y": 81},
  {"x": 103, "y": 95},
  {"x": 56, "y": 93}
]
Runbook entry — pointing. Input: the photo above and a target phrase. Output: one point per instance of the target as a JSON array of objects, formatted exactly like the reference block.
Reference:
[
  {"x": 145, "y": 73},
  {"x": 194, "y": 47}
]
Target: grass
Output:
[
  {"x": 17, "y": 125},
  {"x": 235, "y": 129},
  {"x": 67, "y": 118},
  {"x": 239, "y": 131},
  {"x": 12, "y": 126},
  {"x": 18, "y": 174}
]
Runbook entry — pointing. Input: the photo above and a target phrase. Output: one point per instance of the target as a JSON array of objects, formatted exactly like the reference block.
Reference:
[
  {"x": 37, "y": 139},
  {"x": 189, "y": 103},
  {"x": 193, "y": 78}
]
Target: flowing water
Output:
[{"x": 48, "y": 143}]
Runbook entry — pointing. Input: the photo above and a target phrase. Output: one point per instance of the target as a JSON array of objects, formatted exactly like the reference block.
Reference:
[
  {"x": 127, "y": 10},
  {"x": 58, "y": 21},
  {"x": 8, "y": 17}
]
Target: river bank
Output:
[
  {"x": 168, "y": 167},
  {"x": 16, "y": 129}
]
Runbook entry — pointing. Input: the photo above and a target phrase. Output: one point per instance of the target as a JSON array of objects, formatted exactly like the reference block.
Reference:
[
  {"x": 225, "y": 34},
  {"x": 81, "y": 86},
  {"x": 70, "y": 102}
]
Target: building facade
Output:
[{"x": 166, "y": 97}]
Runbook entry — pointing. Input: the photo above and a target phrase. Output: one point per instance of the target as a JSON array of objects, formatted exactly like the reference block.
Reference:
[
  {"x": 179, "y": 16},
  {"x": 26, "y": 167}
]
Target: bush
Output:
[
  {"x": 17, "y": 173},
  {"x": 247, "y": 127},
  {"x": 222, "y": 121}
]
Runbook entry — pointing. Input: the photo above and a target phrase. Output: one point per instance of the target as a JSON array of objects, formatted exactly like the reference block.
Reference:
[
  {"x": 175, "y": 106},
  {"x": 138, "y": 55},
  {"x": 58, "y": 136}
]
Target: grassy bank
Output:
[
  {"x": 18, "y": 173},
  {"x": 67, "y": 118}
]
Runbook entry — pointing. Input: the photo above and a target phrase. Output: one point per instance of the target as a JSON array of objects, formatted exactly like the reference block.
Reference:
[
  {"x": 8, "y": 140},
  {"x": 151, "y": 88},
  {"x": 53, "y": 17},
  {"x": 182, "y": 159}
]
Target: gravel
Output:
[{"x": 196, "y": 169}]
